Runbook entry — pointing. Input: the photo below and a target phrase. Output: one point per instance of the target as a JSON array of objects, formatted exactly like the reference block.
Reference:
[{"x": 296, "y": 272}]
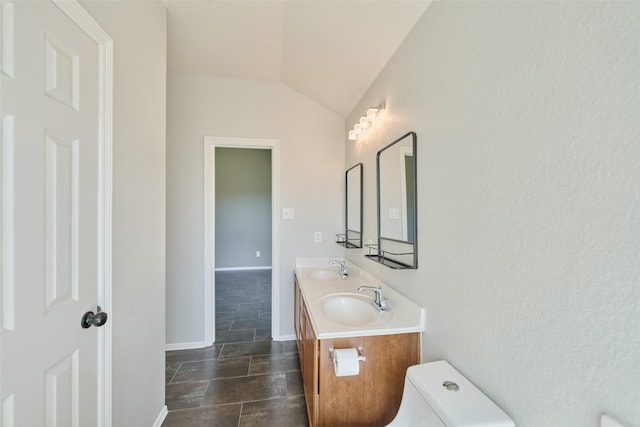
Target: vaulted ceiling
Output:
[{"x": 330, "y": 51}]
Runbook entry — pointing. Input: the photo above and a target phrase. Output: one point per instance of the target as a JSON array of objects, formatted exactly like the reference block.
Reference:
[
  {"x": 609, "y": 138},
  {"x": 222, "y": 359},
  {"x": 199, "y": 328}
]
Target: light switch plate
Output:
[
  {"x": 288, "y": 213},
  {"x": 607, "y": 421},
  {"x": 317, "y": 237}
]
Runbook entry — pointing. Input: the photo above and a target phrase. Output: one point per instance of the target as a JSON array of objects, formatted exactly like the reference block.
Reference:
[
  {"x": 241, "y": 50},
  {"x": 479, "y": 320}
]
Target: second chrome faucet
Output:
[
  {"x": 343, "y": 267},
  {"x": 379, "y": 302}
]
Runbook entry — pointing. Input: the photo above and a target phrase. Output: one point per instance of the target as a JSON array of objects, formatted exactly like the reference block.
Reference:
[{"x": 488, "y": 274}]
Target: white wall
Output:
[
  {"x": 527, "y": 116},
  {"x": 311, "y": 180},
  {"x": 139, "y": 33}
]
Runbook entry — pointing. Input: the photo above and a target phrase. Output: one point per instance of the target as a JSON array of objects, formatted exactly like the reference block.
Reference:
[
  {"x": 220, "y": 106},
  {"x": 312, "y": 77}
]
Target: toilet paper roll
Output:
[{"x": 346, "y": 362}]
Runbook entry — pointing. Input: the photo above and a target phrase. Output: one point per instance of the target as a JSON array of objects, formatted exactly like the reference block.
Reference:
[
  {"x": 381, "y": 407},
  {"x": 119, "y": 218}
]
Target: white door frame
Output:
[
  {"x": 85, "y": 21},
  {"x": 210, "y": 144}
]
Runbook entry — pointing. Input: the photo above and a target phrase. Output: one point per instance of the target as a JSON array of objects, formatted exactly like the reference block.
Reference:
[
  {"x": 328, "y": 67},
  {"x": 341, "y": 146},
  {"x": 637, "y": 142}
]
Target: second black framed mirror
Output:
[{"x": 396, "y": 165}]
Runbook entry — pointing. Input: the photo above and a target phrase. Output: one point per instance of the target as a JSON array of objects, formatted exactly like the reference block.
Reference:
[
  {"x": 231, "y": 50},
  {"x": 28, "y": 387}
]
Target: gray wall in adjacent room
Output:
[{"x": 243, "y": 207}]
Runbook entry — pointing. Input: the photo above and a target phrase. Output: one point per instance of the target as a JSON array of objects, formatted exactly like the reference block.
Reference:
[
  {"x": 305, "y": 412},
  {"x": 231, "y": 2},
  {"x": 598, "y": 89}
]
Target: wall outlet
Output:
[
  {"x": 257, "y": 254},
  {"x": 288, "y": 213},
  {"x": 317, "y": 237}
]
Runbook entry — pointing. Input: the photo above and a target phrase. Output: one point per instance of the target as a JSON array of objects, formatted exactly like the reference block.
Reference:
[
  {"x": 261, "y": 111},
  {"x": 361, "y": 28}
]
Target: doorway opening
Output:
[{"x": 241, "y": 240}]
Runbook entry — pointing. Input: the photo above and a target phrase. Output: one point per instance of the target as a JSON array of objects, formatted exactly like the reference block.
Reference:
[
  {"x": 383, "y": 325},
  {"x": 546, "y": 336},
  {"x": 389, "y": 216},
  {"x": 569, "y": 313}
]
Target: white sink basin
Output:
[
  {"x": 324, "y": 274},
  {"x": 353, "y": 310}
]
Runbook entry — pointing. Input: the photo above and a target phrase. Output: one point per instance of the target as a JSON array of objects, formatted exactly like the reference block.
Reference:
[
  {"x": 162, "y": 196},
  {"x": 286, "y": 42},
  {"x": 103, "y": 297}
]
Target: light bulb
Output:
[
  {"x": 364, "y": 122},
  {"x": 357, "y": 129},
  {"x": 352, "y": 135},
  {"x": 372, "y": 114}
]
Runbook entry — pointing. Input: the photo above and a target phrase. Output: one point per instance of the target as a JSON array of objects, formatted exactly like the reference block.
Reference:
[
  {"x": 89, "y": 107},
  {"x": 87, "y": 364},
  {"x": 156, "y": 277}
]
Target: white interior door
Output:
[{"x": 54, "y": 255}]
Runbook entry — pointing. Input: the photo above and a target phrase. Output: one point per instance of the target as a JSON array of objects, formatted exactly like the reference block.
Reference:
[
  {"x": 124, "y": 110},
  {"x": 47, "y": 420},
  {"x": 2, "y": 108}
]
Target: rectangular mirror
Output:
[
  {"x": 353, "y": 205},
  {"x": 397, "y": 208}
]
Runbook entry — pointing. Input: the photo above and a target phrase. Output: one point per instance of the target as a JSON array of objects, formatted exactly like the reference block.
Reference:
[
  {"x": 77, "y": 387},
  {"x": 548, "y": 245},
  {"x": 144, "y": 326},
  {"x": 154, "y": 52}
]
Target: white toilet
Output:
[{"x": 436, "y": 395}]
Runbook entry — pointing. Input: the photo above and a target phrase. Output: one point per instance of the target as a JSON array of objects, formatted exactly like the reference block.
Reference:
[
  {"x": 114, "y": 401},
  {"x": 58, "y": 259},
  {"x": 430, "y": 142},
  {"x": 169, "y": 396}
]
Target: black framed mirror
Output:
[
  {"x": 397, "y": 245},
  {"x": 352, "y": 238}
]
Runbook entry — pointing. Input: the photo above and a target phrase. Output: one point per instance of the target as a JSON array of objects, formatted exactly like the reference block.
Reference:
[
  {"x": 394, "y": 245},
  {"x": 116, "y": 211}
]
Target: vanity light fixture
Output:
[
  {"x": 365, "y": 121},
  {"x": 372, "y": 114}
]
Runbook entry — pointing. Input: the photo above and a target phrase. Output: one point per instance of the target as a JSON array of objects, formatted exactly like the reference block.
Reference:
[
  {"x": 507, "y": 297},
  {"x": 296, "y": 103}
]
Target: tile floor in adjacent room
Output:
[{"x": 245, "y": 379}]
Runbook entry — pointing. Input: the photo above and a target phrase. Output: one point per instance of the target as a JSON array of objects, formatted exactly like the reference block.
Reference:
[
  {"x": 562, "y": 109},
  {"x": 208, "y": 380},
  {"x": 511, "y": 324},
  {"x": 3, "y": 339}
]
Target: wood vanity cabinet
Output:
[
  {"x": 371, "y": 398},
  {"x": 308, "y": 354},
  {"x": 298, "y": 321}
]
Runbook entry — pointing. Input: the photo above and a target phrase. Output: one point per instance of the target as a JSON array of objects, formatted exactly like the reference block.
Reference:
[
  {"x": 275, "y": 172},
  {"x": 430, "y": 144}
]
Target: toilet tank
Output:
[{"x": 461, "y": 404}]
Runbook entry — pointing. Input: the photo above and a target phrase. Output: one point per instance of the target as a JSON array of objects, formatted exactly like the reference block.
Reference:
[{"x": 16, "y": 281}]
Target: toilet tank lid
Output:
[{"x": 466, "y": 407}]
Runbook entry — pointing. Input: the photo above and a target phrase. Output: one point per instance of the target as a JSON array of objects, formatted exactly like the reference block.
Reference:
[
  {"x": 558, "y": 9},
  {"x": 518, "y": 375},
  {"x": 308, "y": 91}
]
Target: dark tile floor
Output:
[
  {"x": 243, "y": 306},
  {"x": 245, "y": 379}
]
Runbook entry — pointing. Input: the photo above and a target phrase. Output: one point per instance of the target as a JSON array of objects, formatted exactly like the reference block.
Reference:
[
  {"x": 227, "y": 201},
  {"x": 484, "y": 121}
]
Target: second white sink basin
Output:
[{"x": 352, "y": 309}]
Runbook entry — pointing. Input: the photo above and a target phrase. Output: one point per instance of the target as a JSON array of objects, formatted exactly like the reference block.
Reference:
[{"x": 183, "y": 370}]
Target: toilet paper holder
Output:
[{"x": 361, "y": 358}]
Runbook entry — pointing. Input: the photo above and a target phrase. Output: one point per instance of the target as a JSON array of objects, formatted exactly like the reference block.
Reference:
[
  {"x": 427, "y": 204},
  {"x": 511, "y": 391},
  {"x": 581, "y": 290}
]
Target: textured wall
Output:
[
  {"x": 311, "y": 175},
  {"x": 527, "y": 115},
  {"x": 243, "y": 207},
  {"x": 139, "y": 119}
]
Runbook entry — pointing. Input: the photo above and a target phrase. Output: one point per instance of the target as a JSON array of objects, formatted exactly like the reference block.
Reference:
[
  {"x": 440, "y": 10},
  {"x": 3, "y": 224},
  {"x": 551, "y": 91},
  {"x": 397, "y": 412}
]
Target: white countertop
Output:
[{"x": 406, "y": 316}]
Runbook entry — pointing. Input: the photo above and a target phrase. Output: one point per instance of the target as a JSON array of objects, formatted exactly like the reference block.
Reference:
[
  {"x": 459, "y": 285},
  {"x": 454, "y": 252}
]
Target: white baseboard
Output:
[
  {"x": 185, "y": 346},
  {"x": 161, "y": 416},
  {"x": 202, "y": 344},
  {"x": 284, "y": 338},
  {"x": 243, "y": 268}
]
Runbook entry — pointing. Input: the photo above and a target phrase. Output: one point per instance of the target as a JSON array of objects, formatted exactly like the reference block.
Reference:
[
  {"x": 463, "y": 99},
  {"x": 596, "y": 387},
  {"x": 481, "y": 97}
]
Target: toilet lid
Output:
[{"x": 456, "y": 401}]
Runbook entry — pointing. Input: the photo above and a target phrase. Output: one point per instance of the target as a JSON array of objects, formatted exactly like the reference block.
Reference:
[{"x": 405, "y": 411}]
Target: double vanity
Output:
[
  {"x": 357, "y": 336},
  {"x": 333, "y": 311}
]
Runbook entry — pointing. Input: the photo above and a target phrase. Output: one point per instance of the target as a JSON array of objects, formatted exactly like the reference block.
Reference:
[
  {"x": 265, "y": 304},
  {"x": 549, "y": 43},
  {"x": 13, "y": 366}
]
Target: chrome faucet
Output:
[
  {"x": 343, "y": 267},
  {"x": 379, "y": 302}
]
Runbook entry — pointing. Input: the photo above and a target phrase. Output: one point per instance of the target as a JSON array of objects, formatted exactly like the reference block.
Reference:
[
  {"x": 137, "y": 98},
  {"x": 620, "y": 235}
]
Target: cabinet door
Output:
[
  {"x": 310, "y": 370},
  {"x": 372, "y": 397}
]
